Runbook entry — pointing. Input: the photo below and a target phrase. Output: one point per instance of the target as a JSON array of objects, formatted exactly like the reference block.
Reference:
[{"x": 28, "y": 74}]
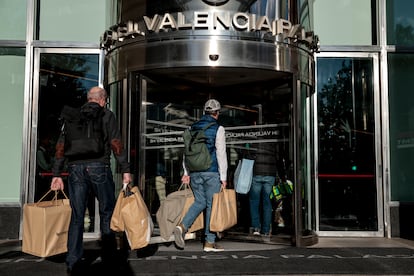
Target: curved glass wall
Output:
[{"x": 252, "y": 114}]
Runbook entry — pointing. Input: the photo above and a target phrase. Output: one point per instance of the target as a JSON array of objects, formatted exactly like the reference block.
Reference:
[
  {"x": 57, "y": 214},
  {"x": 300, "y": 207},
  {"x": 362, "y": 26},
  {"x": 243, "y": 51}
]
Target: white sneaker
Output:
[
  {"x": 179, "y": 236},
  {"x": 212, "y": 247}
]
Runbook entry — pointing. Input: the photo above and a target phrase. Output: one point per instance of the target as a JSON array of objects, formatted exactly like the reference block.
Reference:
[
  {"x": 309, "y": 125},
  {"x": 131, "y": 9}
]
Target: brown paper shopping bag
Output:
[
  {"x": 223, "y": 210},
  {"x": 46, "y": 225},
  {"x": 132, "y": 216},
  {"x": 117, "y": 224},
  {"x": 173, "y": 209}
]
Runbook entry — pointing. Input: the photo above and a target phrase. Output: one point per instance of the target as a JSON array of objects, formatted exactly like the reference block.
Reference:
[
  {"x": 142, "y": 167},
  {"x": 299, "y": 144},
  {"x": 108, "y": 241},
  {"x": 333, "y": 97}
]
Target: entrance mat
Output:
[
  {"x": 327, "y": 261},
  {"x": 284, "y": 261}
]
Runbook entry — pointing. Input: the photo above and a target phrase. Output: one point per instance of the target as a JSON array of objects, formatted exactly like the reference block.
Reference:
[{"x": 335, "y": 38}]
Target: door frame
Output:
[
  {"x": 378, "y": 148},
  {"x": 302, "y": 172},
  {"x": 34, "y": 107}
]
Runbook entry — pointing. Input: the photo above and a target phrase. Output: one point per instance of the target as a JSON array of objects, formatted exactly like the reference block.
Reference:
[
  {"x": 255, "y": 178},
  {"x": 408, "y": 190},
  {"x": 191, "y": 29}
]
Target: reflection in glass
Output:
[
  {"x": 400, "y": 22},
  {"x": 64, "y": 79},
  {"x": 401, "y": 82},
  {"x": 347, "y": 182},
  {"x": 251, "y": 114}
]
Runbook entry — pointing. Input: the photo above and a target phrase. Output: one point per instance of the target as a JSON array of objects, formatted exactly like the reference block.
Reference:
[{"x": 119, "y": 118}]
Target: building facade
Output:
[{"x": 325, "y": 82}]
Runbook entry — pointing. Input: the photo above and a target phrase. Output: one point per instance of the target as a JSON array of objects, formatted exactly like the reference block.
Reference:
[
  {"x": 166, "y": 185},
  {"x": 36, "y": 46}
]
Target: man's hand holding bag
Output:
[{"x": 132, "y": 216}]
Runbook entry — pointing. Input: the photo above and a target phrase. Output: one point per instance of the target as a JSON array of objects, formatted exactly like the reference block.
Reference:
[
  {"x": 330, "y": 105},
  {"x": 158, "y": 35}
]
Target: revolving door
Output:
[{"x": 276, "y": 112}]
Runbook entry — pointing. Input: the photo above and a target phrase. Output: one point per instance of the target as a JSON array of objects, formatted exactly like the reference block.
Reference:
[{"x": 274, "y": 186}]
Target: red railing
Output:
[{"x": 323, "y": 175}]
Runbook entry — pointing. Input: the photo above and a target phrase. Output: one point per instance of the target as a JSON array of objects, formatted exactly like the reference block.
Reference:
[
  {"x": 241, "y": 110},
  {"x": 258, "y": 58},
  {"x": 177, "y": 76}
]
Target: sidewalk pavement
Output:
[{"x": 330, "y": 256}]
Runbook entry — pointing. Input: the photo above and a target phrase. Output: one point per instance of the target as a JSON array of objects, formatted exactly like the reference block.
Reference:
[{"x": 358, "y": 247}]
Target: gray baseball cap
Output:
[{"x": 212, "y": 105}]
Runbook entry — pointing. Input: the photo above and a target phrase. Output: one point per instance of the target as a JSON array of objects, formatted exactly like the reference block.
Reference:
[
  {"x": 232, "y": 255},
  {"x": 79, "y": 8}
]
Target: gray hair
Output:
[{"x": 96, "y": 93}]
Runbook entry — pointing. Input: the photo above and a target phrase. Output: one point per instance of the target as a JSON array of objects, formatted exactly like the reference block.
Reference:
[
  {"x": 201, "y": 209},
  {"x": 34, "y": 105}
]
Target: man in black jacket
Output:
[{"x": 91, "y": 174}]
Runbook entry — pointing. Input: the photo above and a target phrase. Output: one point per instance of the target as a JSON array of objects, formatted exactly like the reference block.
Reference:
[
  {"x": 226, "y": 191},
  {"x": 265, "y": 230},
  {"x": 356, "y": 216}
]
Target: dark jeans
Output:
[
  {"x": 83, "y": 178},
  {"x": 260, "y": 192}
]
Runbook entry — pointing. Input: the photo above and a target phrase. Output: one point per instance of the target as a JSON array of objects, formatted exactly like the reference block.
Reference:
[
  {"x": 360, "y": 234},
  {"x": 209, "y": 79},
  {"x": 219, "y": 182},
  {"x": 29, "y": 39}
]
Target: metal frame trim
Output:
[
  {"x": 384, "y": 105},
  {"x": 27, "y": 102},
  {"x": 381, "y": 194},
  {"x": 341, "y": 48}
]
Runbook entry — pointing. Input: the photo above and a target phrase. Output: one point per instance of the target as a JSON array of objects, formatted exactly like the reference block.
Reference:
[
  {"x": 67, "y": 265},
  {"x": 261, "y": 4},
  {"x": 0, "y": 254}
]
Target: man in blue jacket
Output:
[{"x": 206, "y": 183}]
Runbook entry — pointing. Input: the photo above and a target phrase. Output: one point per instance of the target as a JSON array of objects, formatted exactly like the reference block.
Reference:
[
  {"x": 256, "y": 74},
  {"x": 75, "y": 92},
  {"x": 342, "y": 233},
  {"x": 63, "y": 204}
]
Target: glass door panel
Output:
[
  {"x": 251, "y": 113},
  {"x": 347, "y": 176},
  {"x": 63, "y": 78}
]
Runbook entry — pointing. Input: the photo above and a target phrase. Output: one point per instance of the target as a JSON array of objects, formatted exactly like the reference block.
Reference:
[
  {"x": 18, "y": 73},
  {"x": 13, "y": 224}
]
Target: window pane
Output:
[
  {"x": 352, "y": 22},
  {"x": 12, "y": 61},
  {"x": 11, "y": 13},
  {"x": 75, "y": 20},
  {"x": 401, "y": 104},
  {"x": 347, "y": 185},
  {"x": 400, "y": 22}
]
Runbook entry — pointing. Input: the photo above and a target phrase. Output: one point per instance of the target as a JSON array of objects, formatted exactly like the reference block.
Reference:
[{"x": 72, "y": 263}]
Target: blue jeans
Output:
[
  {"x": 83, "y": 178},
  {"x": 204, "y": 186},
  {"x": 260, "y": 192}
]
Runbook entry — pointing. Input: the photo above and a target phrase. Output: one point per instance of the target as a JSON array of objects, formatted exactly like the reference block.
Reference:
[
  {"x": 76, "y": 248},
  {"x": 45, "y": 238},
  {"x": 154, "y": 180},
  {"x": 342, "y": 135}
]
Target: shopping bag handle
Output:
[
  {"x": 124, "y": 186},
  {"x": 185, "y": 185},
  {"x": 126, "y": 189},
  {"x": 54, "y": 197}
]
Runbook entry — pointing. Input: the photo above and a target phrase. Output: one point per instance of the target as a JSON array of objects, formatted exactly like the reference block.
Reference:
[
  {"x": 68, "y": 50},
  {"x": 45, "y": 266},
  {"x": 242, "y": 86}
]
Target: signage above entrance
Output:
[{"x": 216, "y": 23}]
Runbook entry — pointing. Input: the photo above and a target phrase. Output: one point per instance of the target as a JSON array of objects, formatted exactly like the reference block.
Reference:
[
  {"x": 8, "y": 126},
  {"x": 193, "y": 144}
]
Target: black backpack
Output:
[
  {"x": 196, "y": 154},
  {"x": 83, "y": 131}
]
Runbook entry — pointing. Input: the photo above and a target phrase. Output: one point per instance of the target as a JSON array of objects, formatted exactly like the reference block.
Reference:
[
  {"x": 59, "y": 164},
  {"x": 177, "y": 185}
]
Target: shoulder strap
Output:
[{"x": 209, "y": 125}]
